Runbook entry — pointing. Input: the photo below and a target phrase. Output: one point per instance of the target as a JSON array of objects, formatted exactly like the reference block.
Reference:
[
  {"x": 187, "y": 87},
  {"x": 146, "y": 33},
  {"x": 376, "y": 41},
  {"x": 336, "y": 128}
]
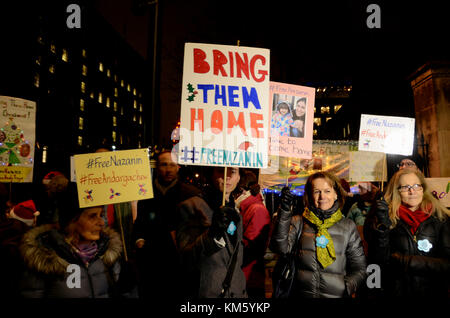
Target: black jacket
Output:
[
  {"x": 340, "y": 279},
  {"x": 406, "y": 270}
]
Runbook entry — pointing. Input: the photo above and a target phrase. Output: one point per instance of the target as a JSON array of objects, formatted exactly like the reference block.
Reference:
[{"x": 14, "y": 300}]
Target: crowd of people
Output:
[{"x": 192, "y": 243}]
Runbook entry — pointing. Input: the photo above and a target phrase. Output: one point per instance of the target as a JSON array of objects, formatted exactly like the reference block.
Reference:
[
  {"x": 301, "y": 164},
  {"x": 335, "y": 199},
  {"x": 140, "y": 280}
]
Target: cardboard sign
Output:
[
  {"x": 291, "y": 120},
  {"x": 113, "y": 177},
  {"x": 224, "y": 106},
  {"x": 440, "y": 188},
  {"x": 388, "y": 134},
  {"x": 17, "y": 139},
  {"x": 328, "y": 155},
  {"x": 367, "y": 166}
]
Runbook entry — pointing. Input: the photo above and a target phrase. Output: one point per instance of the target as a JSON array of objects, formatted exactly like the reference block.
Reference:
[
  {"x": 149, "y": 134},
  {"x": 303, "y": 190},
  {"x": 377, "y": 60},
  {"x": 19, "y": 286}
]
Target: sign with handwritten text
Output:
[
  {"x": 17, "y": 139},
  {"x": 367, "y": 166},
  {"x": 224, "y": 106},
  {"x": 291, "y": 120},
  {"x": 113, "y": 177},
  {"x": 388, "y": 134}
]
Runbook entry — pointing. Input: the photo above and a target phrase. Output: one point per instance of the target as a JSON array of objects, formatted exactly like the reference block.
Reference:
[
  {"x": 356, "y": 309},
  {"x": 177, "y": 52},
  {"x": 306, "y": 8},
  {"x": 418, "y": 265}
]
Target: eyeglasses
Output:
[
  {"x": 407, "y": 164},
  {"x": 406, "y": 188}
]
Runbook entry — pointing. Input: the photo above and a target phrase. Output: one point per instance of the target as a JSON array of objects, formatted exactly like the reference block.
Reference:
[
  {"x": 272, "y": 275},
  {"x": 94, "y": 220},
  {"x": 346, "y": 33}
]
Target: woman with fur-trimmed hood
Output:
[{"x": 80, "y": 258}]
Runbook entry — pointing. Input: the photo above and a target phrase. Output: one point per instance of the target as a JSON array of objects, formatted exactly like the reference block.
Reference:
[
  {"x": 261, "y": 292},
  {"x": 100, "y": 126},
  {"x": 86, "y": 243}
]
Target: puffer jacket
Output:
[
  {"x": 47, "y": 256},
  {"x": 204, "y": 261},
  {"x": 340, "y": 279},
  {"x": 406, "y": 269}
]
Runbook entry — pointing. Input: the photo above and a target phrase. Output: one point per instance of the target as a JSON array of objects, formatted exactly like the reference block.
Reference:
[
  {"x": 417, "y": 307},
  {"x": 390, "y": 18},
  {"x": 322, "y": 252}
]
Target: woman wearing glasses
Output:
[{"x": 408, "y": 233}]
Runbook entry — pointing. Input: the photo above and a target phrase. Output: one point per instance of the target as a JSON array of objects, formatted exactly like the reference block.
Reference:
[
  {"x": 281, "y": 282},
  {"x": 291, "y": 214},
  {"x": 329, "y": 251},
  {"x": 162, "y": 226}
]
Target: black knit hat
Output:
[{"x": 68, "y": 206}]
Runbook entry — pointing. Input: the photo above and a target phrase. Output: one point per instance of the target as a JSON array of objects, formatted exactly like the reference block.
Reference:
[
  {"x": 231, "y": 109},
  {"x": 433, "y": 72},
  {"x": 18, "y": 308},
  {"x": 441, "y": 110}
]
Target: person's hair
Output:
[
  {"x": 283, "y": 105},
  {"x": 332, "y": 180},
  {"x": 70, "y": 231},
  {"x": 162, "y": 153},
  {"x": 393, "y": 198},
  {"x": 303, "y": 99},
  {"x": 248, "y": 182}
]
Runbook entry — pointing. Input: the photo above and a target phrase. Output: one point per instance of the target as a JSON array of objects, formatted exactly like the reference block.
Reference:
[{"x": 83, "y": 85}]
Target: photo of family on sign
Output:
[{"x": 288, "y": 117}]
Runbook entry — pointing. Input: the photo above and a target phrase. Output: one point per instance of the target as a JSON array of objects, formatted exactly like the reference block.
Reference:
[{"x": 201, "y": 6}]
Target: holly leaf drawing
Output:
[
  {"x": 190, "y": 98},
  {"x": 448, "y": 187},
  {"x": 190, "y": 88}
]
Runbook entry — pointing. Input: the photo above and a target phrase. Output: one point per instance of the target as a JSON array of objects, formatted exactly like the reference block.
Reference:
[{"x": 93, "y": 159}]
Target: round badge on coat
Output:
[{"x": 424, "y": 245}]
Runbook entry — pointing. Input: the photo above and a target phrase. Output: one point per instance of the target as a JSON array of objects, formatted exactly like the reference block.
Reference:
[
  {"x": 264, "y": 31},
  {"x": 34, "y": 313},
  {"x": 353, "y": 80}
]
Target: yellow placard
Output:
[
  {"x": 113, "y": 177},
  {"x": 15, "y": 174}
]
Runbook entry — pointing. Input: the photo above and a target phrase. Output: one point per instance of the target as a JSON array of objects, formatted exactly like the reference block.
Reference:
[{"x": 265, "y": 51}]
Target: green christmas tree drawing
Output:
[{"x": 11, "y": 142}]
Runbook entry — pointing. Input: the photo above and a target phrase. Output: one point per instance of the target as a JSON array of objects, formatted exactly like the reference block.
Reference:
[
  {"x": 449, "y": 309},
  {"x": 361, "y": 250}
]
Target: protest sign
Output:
[
  {"x": 440, "y": 188},
  {"x": 113, "y": 177},
  {"x": 17, "y": 138},
  {"x": 327, "y": 155},
  {"x": 367, "y": 166},
  {"x": 291, "y": 120},
  {"x": 224, "y": 106},
  {"x": 388, "y": 134}
]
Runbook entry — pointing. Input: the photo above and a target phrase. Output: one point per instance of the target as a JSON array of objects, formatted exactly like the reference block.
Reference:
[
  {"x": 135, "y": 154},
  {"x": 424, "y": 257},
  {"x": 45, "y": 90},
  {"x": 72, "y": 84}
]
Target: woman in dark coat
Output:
[
  {"x": 77, "y": 259},
  {"x": 331, "y": 261},
  {"x": 408, "y": 233}
]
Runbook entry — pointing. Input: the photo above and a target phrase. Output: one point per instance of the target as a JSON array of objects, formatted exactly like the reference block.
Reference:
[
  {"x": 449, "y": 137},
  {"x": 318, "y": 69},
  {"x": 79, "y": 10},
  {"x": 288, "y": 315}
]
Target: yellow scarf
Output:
[{"x": 324, "y": 242}]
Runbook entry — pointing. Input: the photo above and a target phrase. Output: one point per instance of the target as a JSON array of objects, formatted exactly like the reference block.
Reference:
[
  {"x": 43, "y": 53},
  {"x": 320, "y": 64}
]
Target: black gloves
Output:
[
  {"x": 221, "y": 220},
  {"x": 286, "y": 199},
  {"x": 382, "y": 215}
]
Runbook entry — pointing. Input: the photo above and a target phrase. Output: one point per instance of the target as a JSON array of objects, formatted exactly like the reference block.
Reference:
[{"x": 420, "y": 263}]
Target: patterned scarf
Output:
[
  {"x": 86, "y": 252},
  {"x": 324, "y": 242}
]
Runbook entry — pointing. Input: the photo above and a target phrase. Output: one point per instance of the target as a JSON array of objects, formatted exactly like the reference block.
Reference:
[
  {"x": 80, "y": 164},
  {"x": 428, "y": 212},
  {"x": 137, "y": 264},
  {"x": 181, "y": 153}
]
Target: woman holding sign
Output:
[
  {"x": 330, "y": 260},
  {"x": 409, "y": 237},
  {"x": 78, "y": 258}
]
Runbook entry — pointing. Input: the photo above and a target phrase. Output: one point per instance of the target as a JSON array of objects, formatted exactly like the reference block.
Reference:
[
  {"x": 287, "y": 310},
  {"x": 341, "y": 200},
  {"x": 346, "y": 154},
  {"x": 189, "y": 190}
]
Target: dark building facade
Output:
[{"x": 89, "y": 85}]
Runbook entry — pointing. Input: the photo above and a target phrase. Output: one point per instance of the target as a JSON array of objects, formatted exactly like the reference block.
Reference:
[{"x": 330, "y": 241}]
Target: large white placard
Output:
[
  {"x": 224, "y": 106},
  {"x": 388, "y": 134}
]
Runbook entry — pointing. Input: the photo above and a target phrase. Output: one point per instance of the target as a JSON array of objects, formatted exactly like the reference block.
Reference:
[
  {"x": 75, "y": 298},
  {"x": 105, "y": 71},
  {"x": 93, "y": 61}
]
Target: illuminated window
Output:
[
  {"x": 315, "y": 132},
  {"x": 36, "y": 80},
  {"x": 92, "y": 95},
  {"x": 108, "y": 72},
  {"x": 336, "y": 108},
  {"x": 344, "y": 131},
  {"x": 83, "y": 53},
  {"x": 325, "y": 109},
  {"x": 80, "y": 140},
  {"x": 38, "y": 60},
  {"x": 327, "y": 119},
  {"x": 348, "y": 129},
  {"x": 135, "y": 104},
  {"x": 317, "y": 121},
  {"x": 140, "y": 107},
  {"x": 121, "y": 111},
  {"x": 114, "y": 121},
  {"x": 134, "y": 117},
  {"x": 40, "y": 40},
  {"x": 65, "y": 56},
  {"x": 116, "y": 92},
  {"x": 51, "y": 69},
  {"x": 52, "y": 48},
  {"x": 134, "y": 91},
  {"x": 80, "y": 123},
  {"x": 82, "y": 105},
  {"x": 115, "y": 106},
  {"x": 84, "y": 70},
  {"x": 114, "y": 136},
  {"x": 140, "y": 120},
  {"x": 129, "y": 88},
  {"x": 115, "y": 78},
  {"x": 121, "y": 139},
  {"x": 83, "y": 87},
  {"x": 108, "y": 102},
  {"x": 100, "y": 67},
  {"x": 122, "y": 83},
  {"x": 100, "y": 98}
]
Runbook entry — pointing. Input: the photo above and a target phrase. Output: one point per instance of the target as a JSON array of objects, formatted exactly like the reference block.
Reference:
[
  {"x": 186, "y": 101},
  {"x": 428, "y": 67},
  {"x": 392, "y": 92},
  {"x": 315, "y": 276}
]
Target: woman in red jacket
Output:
[{"x": 256, "y": 226}]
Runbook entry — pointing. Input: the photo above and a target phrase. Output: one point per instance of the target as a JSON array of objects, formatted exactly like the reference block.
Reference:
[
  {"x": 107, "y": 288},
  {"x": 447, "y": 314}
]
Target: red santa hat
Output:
[
  {"x": 25, "y": 212},
  {"x": 49, "y": 176}
]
